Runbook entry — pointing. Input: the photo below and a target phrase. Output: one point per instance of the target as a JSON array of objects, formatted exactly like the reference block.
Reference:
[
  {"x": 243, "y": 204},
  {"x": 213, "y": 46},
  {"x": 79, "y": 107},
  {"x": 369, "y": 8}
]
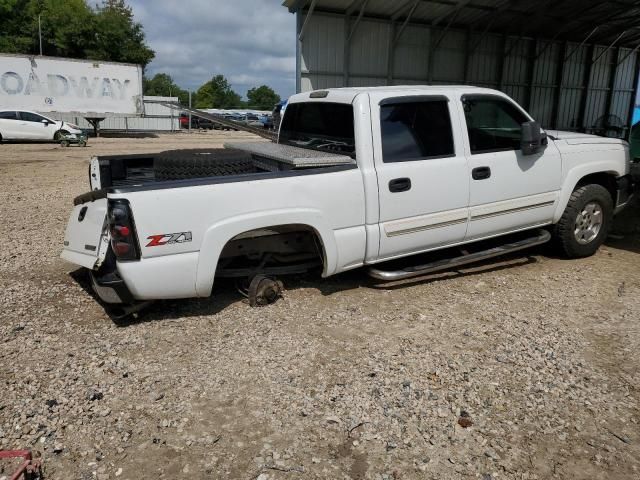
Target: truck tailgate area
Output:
[{"x": 85, "y": 240}]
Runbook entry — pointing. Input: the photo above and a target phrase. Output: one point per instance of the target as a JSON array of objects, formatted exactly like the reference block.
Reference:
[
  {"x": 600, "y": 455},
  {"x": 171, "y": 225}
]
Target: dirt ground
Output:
[{"x": 526, "y": 368}]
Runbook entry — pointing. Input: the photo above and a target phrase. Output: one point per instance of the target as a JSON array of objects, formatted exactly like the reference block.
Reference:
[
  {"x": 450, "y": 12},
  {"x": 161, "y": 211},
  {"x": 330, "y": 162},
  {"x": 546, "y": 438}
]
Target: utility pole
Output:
[
  {"x": 189, "y": 111},
  {"x": 40, "y": 33}
]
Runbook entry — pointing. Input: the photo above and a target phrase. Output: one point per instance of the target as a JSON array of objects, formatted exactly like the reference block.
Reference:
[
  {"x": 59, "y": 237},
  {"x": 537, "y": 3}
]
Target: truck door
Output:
[
  {"x": 423, "y": 178},
  {"x": 509, "y": 191}
]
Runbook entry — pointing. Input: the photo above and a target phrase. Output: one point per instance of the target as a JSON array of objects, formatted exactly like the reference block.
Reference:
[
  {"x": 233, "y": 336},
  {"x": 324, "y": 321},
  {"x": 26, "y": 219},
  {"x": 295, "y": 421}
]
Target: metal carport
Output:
[{"x": 572, "y": 63}]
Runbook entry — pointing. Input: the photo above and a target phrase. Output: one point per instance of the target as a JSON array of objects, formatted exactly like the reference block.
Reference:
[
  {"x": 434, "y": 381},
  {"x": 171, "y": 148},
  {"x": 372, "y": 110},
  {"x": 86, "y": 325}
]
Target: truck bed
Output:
[{"x": 117, "y": 171}]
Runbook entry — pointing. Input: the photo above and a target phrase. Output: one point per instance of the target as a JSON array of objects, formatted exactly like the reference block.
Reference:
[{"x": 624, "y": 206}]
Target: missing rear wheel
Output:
[{"x": 264, "y": 291}]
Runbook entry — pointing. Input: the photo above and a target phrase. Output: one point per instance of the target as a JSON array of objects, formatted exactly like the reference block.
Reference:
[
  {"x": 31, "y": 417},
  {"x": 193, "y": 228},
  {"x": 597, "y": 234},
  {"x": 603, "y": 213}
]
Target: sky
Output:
[{"x": 250, "y": 42}]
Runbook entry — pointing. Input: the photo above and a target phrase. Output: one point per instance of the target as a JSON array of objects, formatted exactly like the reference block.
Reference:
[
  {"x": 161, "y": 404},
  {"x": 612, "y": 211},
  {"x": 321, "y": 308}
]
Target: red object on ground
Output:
[{"x": 29, "y": 470}]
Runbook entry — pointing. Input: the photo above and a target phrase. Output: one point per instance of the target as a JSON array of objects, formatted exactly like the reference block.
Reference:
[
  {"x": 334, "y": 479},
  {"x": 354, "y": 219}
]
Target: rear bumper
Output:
[
  {"x": 111, "y": 288},
  {"x": 625, "y": 189}
]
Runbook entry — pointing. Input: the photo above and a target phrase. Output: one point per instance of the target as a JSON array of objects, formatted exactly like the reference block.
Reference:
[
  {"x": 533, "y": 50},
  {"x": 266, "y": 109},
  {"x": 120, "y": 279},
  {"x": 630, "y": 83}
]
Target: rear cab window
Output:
[
  {"x": 324, "y": 126},
  {"x": 416, "y": 128}
]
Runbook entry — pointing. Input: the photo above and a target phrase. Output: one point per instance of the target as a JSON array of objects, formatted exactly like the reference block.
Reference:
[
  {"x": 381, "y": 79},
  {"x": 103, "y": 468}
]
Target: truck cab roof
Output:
[{"x": 348, "y": 94}]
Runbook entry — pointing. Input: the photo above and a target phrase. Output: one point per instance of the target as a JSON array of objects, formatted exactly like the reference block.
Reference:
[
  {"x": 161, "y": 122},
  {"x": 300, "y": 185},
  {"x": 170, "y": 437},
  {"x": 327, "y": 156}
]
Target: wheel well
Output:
[
  {"x": 282, "y": 248},
  {"x": 607, "y": 180}
]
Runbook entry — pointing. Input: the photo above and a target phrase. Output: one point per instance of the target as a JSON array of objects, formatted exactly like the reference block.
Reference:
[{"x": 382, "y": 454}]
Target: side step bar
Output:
[{"x": 541, "y": 236}]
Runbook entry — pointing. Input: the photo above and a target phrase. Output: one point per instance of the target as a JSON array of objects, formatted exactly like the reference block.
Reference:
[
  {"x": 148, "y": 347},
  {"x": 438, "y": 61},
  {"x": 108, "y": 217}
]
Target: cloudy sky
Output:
[{"x": 251, "y": 42}]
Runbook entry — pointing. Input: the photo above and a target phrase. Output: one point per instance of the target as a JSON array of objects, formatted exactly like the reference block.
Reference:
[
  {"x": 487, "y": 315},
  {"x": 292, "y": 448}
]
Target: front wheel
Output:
[
  {"x": 59, "y": 135},
  {"x": 586, "y": 221}
]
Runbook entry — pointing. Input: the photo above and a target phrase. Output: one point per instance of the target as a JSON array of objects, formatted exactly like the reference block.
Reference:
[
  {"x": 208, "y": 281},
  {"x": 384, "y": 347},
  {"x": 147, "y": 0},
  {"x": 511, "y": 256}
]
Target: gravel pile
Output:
[{"x": 524, "y": 369}]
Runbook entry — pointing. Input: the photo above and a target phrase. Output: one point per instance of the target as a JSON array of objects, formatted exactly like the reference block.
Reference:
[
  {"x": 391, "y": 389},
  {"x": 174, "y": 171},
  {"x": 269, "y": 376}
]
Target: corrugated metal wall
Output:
[{"x": 563, "y": 85}]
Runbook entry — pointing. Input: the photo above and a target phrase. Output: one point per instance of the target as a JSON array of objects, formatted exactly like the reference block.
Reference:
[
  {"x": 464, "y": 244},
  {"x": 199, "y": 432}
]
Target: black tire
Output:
[
  {"x": 183, "y": 164},
  {"x": 58, "y": 135},
  {"x": 564, "y": 232}
]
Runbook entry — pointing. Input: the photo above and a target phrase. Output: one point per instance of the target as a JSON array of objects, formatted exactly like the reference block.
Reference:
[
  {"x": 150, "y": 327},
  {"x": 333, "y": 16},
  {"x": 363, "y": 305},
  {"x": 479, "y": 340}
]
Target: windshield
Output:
[{"x": 319, "y": 126}]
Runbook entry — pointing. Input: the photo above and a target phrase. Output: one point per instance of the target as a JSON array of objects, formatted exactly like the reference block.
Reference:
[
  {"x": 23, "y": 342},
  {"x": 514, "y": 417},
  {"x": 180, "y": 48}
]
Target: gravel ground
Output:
[{"x": 525, "y": 368}]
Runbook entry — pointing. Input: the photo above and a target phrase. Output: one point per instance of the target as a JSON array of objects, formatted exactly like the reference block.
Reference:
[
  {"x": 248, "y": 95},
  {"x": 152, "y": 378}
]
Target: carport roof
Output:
[{"x": 605, "y": 22}]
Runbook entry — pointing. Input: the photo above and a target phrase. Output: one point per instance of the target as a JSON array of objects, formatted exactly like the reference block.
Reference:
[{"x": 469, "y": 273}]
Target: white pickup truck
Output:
[{"x": 358, "y": 177}]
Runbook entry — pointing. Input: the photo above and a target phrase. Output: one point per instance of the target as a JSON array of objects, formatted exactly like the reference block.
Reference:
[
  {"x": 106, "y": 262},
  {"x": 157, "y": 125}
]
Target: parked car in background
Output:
[
  {"x": 277, "y": 113},
  {"x": 25, "y": 125},
  {"x": 252, "y": 120},
  {"x": 184, "y": 120},
  {"x": 196, "y": 122}
]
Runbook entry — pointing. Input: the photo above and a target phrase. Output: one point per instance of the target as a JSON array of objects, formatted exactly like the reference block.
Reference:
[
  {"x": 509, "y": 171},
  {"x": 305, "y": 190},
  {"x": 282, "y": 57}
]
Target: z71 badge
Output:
[{"x": 168, "y": 239}]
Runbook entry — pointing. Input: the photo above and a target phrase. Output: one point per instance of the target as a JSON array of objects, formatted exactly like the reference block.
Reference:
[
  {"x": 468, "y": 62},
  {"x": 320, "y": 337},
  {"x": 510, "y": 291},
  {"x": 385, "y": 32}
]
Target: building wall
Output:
[
  {"x": 553, "y": 80},
  {"x": 156, "y": 118}
]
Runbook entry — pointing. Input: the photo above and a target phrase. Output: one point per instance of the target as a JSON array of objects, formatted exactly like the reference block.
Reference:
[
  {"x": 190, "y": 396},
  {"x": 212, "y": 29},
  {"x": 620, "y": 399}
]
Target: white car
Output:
[
  {"x": 25, "y": 125},
  {"x": 359, "y": 176}
]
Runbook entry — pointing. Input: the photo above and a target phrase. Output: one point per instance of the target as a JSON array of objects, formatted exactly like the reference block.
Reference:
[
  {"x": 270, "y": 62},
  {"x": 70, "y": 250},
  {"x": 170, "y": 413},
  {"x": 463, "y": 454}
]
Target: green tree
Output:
[
  {"x": 14, "y": 36},
  {"x": 163, "y": 85},
  {"x": 262, "y": 98},
  {"x": 67, "y": 27},
  {"x": 71, "y": 28},
  {"x": 117, "y": 36},
  {"x": 217, "y": 93}
]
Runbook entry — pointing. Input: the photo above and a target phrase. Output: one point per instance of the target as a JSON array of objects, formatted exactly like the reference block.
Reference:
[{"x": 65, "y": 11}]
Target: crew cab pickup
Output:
[{"x": 357, "y": 177}]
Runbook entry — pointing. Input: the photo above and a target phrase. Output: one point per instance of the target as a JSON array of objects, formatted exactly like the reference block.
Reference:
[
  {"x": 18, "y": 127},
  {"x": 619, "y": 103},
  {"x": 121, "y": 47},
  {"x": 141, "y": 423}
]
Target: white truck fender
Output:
[
  {"x": 577, "y": 173},
  {"x": 218, "y": 234}
]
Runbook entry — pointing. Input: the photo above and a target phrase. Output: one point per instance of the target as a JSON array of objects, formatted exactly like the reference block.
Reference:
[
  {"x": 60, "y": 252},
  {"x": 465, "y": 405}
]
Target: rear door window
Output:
[
  {"x": 416, "y": 130},
  {"x": 31, "y": 117},
  {"x": 8, "y": 116}
]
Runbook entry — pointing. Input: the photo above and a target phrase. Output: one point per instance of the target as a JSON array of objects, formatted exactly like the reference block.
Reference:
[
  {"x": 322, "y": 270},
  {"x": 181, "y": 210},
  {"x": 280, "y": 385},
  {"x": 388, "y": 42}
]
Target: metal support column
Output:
[
  {"x": 586, "y": 87},
  {"x": 501, "y": 61},
  {"x": 557, "y": 95},
  {"x": 391, "y": 50},
  {"x": 531, "y": 66},
  {"x": 298, "y": 51},
  {"x": 636, "y": 79},
  {"x": 613, "y": 71},
  {"x": 347, "y": 51},
  {"x": 467, "y": 54}
]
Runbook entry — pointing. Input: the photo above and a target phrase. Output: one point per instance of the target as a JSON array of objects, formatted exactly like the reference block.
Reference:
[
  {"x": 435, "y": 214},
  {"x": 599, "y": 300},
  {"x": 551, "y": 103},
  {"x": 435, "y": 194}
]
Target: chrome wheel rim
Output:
[{"x": 588, "y": 223}]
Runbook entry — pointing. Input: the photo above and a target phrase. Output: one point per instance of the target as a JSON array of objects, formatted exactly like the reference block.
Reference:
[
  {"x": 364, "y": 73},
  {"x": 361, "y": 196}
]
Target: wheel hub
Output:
[{"x": 588, "y": 223}]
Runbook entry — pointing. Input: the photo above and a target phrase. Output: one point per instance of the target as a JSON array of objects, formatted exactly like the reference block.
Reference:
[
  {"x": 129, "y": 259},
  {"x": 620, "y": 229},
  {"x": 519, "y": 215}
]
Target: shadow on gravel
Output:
[
  {"x": 124, "y": 134},
  {"x": 625, "y": 234},
  {"x": 225, "y": 291}
]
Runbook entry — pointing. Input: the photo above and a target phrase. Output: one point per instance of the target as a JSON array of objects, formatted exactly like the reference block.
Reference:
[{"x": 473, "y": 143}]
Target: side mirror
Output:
[
  {"x": 45, "y": 121},
  {"x": 532, "y": 139}
]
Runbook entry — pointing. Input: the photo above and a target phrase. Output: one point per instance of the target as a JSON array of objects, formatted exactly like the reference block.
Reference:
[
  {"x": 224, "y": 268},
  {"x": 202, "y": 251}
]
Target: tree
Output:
[
  {"x": 71, "y": 28},
  {"x": 117, "y": 36},
  {"x": 262, "y": 98},
  {"x": 217, "y": 93},
  {"x": 163, "y": 85}
]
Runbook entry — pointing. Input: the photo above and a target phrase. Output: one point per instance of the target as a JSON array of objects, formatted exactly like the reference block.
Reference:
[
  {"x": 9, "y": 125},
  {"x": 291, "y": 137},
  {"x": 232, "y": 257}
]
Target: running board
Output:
[{"x": 542, "y": 236}]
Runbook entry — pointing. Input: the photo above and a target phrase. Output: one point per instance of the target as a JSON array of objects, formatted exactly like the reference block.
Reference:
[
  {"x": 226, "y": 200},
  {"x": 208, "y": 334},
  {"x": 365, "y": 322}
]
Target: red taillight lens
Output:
[
  {"x": 121, "y": 249},
  {"x": 121, "y": 231},
  {"x": 123, "y": 240}
]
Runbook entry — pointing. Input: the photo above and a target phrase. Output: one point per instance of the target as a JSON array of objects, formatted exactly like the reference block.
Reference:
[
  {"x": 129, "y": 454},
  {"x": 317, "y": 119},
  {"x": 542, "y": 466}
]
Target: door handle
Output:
[
  {"x": 399, "y": 185},
  {"x": 481, "y": 173}
]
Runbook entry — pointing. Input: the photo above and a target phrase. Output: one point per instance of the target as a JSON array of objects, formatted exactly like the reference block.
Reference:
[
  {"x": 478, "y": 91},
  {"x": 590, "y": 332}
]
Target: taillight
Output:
[{"x": 123, "y": 240}]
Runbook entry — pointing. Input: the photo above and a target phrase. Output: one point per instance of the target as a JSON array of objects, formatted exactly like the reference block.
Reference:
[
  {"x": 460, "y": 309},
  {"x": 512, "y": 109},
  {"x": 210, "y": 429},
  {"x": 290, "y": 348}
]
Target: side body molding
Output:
[{"x": 218, "y": 234}]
